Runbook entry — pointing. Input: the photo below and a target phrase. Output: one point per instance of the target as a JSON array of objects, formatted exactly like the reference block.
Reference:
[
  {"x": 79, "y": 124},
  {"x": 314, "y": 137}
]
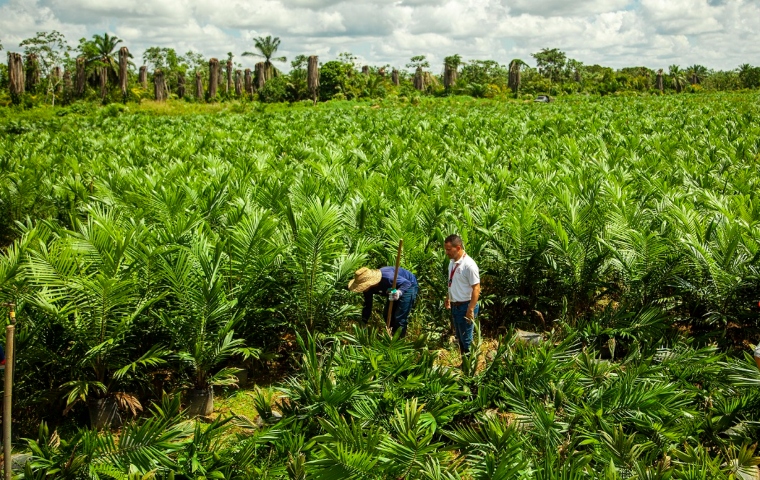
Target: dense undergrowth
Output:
[{"x": 367, "y": 407}]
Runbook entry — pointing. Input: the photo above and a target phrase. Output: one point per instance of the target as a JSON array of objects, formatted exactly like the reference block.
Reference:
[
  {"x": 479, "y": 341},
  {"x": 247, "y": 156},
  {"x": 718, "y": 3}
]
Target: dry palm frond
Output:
[{"x": 128, "y": 401}]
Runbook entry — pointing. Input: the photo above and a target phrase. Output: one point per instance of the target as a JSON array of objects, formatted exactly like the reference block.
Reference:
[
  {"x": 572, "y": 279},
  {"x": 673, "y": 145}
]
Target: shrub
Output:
[{"x": 275, "y": 90}]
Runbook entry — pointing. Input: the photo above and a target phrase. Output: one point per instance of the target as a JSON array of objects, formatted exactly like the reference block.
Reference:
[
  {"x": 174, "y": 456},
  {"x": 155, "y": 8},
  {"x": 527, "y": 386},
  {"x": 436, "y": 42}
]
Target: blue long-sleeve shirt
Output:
[{"x": 405, "y": 280}]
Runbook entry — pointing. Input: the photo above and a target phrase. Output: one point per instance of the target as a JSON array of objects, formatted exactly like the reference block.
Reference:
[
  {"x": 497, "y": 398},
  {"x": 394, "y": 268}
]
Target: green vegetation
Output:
[
  {"x": 152, "y": 251},
  {"x": 95, "y": 68}
]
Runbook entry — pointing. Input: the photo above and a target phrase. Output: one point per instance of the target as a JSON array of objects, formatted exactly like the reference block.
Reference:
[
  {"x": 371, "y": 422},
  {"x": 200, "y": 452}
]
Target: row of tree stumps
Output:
[
  {"x": 27, "y": 78},
  {"x": 235, "y": 82},
  {"x": 24, "y": 76}
]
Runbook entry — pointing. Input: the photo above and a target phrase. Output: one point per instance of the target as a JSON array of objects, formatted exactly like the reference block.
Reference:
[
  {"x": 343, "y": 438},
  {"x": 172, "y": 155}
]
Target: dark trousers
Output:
[{"x": 401, "y": 309}]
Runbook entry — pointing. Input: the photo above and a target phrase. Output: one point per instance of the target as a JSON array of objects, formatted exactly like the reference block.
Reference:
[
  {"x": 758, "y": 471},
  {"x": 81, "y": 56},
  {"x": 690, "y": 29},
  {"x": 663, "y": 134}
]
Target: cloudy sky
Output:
[{"x": 719, "y": 34}]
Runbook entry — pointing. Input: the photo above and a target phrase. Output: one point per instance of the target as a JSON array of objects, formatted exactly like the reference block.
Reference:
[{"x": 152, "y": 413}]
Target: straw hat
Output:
[{"x": 364, "y": 278}]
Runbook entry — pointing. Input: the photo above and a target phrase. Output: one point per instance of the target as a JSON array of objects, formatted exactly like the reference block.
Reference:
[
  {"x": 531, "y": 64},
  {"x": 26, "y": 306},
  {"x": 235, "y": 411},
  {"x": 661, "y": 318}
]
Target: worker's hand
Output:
[
  {"x": 447, "y": 304},
  {"x": 470, "y": 315},
  {"x": 394, "y": 295}
]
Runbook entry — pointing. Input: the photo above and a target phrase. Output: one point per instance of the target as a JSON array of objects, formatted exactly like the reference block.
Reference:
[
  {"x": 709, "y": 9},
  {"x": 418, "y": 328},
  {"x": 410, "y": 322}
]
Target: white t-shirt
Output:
[{"x": 466, "y": 275}]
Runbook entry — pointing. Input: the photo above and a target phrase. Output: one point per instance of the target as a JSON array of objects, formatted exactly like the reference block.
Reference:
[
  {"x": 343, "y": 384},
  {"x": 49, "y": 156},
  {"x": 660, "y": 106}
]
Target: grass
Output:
[
  {"x": 176, "y": 107},
  {"x": 237, "y": 402}
]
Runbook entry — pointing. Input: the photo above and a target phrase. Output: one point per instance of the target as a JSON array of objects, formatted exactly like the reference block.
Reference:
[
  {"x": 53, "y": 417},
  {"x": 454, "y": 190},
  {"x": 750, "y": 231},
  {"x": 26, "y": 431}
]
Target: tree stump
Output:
[
  {"x": 514, "y": 77},
  {"x": 15, "y": 76},
  {"x": 449, "y": 76},
  {"x": 313, "y": 77},
  {"x": 143, "y": 77},
  {"x": 80, "y": 77},
  {"x": 238, "y": 83},
  {"x": 68, "y": 87},
  {"x": 180, "y": 84},
  {"x": 248, "y": 82},
  {"x": 660, "y": 84},
  {"x": 419, "y": 79},
  {"x": 394, "y": 77},
  {"x": 229, "y": 77},
  {"x": 32, "y": 73},
  {"x": 159, "y": 86},
  {"x": 123, "y": 72},
  {"x": 213, "y": 78},
  {"x": 365, "y": 70},
  {"x": 260, "y": 72},
  {"x": 56, "y": 78},
  {"x": 198, "y": 86},
  {"x": 103, "y": 74}
]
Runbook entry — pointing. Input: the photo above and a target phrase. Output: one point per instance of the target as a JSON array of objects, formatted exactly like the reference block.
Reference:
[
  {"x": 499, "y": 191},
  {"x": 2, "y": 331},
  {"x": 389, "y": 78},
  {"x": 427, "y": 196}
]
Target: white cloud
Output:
[
  {"x": 20, "y": 19},
  {"x": 655, "y": 33},
  {"x": 682, "y": 16},
  {"x": 558, "y": 8}
]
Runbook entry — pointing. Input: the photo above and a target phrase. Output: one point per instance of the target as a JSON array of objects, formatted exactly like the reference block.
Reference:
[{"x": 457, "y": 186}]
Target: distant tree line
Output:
[{"x": 49, "y": 70}]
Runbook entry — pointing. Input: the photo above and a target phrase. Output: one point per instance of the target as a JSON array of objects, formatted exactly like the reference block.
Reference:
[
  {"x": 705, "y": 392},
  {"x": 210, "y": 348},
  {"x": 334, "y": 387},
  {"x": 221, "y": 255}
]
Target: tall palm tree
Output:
[
  {"x": 696, "y": 73},
  {"x": 266, "y": 47},
  {"x": 102, "y": 48},
  {"x": 745, "y": 74},
  {"x": 101, "y": 56},
  {"x": 677, "y": 77}
]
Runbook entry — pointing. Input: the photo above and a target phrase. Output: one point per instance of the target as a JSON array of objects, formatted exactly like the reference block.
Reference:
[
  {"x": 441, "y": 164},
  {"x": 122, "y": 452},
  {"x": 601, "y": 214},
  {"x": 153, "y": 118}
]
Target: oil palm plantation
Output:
[{"x": 611, "y": 230}]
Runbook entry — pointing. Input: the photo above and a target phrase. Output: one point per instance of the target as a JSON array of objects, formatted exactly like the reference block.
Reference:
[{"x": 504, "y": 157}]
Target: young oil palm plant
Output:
[
  {"x": 721, "y": 279},
  {"x": 84, "y": 279},
  {"x": 162, "y": 445},
  {"x": 201, "y": 316},
  {"x": 517, "y": 245},
  {"x": 492, "y": 449},
  {"x": 574, "y": 251},
  {"x": 254, "y": 246},
  {"x": 318, "y": 264}
]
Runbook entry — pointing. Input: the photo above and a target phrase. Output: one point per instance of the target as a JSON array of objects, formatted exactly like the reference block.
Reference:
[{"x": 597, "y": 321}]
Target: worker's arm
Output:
[
  {"x": 473, "y": 301},
  {"x": 403, "y": 284},
  {"x": 367, "y": 310},
  {"x": 473, "y": 275}
]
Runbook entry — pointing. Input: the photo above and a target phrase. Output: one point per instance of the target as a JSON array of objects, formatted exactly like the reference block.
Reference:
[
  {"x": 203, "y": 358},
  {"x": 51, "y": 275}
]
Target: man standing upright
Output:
[{"x": 463, "y": 292}]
